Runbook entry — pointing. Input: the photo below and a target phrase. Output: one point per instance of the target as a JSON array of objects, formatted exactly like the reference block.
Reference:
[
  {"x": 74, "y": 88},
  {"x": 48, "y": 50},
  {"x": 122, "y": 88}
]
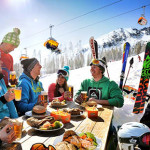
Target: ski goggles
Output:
[
  {"x": 63, "y": 73},
  {"x": 41, "y": 146},
  {"x": 97, "y": 63}
]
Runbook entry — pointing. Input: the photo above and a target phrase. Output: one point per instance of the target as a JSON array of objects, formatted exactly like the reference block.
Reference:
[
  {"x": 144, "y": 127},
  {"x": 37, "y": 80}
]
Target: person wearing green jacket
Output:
[{"x": 100, "y": 89}]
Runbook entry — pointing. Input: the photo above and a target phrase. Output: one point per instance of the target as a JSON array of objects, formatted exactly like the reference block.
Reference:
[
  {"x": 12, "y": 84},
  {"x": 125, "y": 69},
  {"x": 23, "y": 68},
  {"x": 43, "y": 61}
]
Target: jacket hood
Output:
[
  {"x": 24, "y": 76},
  {"x": 103, "y": 79}
]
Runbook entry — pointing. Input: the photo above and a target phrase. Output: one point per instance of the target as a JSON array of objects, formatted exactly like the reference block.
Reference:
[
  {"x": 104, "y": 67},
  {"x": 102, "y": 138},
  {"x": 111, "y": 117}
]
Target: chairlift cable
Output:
[
  {"x": 75, "y": 18},
  {"x": 97, "y": 22},
  {"x": 89, "y": 12}
]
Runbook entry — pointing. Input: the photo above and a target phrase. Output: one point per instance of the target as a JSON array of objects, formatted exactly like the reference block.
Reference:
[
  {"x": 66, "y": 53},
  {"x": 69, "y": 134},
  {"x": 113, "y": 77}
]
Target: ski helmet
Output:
[{"x": 132, "y": 129}]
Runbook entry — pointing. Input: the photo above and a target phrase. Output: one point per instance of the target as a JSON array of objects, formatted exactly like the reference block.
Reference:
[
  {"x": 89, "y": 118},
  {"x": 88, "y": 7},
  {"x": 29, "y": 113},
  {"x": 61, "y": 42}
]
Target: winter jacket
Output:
[
  {"x": 7, "y": 65},
  {"x": 103, "y": 89},
  {"x": 30, "y": 92},
  {"x": 7, "y": 109},
  {"x": 51, "y": 90}
]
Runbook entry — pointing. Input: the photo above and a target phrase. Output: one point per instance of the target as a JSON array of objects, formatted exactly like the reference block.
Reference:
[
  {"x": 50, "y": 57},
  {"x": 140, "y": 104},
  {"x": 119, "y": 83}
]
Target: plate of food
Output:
[
  {"x": 58, "y": 104},
  {"x": 75, "y": 141},
  {"x": 75, "y": 112},
  {"x": 90, "y": 104},
  {"x": 38, "y": 111},
  {"x": 47, "y": 124}
]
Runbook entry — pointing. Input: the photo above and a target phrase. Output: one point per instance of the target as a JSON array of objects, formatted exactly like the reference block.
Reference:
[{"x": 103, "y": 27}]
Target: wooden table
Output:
[{"x": 99, "y": 127}]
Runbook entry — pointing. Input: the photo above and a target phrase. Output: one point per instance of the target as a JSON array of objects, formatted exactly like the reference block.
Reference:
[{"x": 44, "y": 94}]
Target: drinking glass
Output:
[
  {"x": 70, "y": 89},
  {"x": 84, "y": 95},
  {"x": 18, "y": 125},
  {"x": 12, "y": 78},
  {"x": 18, "y": 91}
]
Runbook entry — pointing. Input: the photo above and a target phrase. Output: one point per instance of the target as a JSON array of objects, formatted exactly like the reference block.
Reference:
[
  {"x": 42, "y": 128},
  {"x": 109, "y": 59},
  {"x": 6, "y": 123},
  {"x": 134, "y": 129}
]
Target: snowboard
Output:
[
  {"x": 144, "y": 81},
  {"x": 124, "y": 61}
]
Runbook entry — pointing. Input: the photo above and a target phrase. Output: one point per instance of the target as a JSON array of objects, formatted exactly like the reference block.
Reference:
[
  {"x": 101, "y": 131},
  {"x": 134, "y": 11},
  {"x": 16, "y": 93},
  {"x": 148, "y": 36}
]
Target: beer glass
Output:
[
  {"x": 18, "y": 91},
  {"x": 18, "y": 125},
  {"x": 43, "y": 98},
  {"x": 12, "y": 78},
  {"x": 70, "y": 89},
  {"x": 84, "y": 95}
]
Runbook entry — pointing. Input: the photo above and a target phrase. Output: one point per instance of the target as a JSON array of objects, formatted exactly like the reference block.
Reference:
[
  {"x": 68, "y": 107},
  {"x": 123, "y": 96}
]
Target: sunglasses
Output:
[
  {"x": 97, "y": 62},
  {"x": 41, "y": 146},
  {"x": 62, "y": 72}
]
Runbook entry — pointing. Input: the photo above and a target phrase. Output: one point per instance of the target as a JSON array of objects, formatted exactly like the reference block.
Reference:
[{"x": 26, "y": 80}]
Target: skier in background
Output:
[{"x": 139, "y": 57}]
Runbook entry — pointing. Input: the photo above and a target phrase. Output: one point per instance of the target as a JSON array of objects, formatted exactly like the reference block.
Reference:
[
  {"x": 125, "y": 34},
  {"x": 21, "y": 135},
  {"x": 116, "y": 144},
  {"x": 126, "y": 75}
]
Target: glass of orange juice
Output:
[{"x": 18, "y": 91}]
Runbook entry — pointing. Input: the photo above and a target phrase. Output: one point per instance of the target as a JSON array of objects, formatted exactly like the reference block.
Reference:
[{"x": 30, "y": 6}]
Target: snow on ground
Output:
[{"x": 121, "y": 115}]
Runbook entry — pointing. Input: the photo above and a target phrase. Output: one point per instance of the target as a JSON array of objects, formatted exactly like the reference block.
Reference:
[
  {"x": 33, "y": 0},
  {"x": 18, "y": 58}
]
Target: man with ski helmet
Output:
[{"x": 100, "y": 89}]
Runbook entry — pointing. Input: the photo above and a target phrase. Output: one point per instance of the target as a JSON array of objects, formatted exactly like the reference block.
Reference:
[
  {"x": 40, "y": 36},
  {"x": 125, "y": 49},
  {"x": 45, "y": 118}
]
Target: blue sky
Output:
[{"x": 33, "y": 17}]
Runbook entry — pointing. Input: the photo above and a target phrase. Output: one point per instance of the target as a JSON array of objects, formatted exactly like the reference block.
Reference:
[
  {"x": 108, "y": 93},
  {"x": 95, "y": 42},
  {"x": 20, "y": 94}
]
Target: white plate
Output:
[
  {"x": 49, "y": 130},
  {"x": 98, "y": 105},
  {"x": 81, "y": 113},
  {"x": 29, "y": 114},
  {"x": 60, "y": 138}
]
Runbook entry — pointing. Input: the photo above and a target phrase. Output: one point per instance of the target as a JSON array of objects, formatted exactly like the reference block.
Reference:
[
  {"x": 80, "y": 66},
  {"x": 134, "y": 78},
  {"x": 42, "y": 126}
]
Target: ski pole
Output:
[
  {"x": 131, "y": 63},
  {"x": 104, "y": 58}
]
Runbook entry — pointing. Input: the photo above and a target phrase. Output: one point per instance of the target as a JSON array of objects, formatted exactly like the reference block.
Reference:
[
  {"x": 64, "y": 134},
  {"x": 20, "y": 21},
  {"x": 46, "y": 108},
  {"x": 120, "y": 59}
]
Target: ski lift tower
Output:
[{"x": 51, "y": 26}]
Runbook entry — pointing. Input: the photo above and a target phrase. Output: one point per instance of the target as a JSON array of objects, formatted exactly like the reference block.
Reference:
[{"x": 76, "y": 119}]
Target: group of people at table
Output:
[{"x": 99, "y": 88}]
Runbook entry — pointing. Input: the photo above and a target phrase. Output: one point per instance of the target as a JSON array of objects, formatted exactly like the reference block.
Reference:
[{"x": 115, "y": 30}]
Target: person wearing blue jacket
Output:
[
  {"x": 7, "y": 107},
  {"x": 31, "y": 86}
]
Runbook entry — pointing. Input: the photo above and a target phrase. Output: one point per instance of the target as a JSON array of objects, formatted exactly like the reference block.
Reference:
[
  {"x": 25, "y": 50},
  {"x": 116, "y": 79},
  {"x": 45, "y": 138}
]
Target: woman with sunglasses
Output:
[{"x": 59, "y": 89}]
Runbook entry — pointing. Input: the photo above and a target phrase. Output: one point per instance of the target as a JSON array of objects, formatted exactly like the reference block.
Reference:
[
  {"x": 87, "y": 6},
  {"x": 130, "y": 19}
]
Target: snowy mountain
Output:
[{"x": 118, "y": 37}]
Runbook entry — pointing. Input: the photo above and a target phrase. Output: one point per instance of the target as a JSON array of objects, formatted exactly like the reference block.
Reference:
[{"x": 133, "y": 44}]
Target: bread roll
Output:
[
  {"x": 91, "y": 103},
  {"x": 38, "y": 109},
  {"x": 64, "y": 146}
]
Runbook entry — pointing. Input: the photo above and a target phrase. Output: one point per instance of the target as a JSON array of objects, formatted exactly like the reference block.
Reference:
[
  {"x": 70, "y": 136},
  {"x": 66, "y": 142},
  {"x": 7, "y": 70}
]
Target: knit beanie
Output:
[
  {"x": 28, "y": 64},
  {"x": 101, "y": 65},
  {"x": 12, "y": 37},
  {"x": 65, "y": 68}
]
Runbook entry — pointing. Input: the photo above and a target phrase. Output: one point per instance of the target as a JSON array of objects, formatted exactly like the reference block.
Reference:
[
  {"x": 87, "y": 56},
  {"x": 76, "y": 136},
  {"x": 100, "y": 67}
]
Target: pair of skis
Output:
[
  {"x": 144, "y": 80},
  {"x": 94, "y": 49}
]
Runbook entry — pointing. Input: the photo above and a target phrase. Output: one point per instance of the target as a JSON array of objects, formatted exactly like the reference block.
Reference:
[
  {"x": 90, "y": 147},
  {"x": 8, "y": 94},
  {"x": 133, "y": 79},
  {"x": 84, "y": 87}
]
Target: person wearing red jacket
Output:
[
  {"x": 9, "y": 43},
  {"x": 59, "y": 89}
]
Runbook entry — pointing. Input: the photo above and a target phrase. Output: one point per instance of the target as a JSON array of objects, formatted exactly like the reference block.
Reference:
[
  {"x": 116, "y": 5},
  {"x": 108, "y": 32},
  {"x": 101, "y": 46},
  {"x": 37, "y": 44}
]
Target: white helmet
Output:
[
  {"x": 132, "y": 129},
  {"x": 129, "y": 133}
]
